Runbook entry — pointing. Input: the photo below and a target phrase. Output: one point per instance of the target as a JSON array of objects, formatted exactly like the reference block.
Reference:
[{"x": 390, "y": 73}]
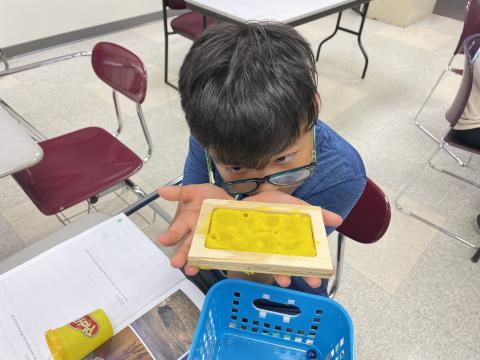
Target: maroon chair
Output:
[
  {"x": 471, "y": 46},
  {"x": 79, "y": 165},
  {"x": 367, "y": 223},
  {"x": 471, "y": 25},
  {"x": 190, "y": 25}
]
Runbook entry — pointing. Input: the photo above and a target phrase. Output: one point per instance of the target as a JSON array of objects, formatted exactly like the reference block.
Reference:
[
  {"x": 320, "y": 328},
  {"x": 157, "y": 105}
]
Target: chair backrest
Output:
[
  {"x": 176, "y": 4},
  {"x": 369, "y": 218},
  {"x": 470, "y": 46},
  {"x": 471, "y": 24},
  {"x": 121, "y": 69}
]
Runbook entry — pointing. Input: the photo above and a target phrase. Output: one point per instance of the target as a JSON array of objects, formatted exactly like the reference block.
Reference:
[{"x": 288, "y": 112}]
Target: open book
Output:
[{"x": 153, "y": 308}]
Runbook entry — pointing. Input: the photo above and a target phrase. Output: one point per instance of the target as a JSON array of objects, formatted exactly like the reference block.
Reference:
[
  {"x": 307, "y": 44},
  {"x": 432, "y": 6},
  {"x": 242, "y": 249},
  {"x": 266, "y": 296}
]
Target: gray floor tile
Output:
[
  {"x": 363, "y": 300},
  {"x": 401, "y": 332},
  {"x": 442, "y": 289},
  {"x": 10, "y": 243}
]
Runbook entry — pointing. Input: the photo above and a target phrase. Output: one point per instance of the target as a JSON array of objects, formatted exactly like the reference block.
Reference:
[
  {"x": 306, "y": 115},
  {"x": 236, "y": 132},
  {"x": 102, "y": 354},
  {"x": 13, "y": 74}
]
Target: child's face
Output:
[{"x": 296, "y": 155}]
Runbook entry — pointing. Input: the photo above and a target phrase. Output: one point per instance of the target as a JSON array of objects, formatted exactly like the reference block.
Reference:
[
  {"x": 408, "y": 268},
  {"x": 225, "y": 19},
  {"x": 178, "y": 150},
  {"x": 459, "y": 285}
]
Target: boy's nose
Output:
[{"x": 266, "y": 186}]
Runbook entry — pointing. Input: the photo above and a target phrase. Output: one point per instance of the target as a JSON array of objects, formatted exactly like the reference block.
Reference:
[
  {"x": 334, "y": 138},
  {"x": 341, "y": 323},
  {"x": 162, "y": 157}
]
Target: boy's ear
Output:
[{"x": 317, "y": 99}]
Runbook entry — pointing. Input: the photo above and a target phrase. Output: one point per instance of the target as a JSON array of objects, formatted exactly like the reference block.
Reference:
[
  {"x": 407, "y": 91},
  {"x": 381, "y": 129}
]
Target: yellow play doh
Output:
[{"x": 261, "y": 232}]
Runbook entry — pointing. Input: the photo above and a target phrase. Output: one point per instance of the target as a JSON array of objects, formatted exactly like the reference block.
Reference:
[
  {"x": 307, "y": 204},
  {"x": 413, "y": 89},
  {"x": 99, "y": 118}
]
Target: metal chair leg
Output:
[
  {"x": 4, "y": 60},
  {"x": 476, "y": 256},
  {"x": 456, "y": 176},
  {"x": 423, "y": 128},
  {"x": 415, "y": 120},
  {"x": 339, "y": 266},
  {"x": 423, "y": 219},
  {"x": 118, "y": 113}
]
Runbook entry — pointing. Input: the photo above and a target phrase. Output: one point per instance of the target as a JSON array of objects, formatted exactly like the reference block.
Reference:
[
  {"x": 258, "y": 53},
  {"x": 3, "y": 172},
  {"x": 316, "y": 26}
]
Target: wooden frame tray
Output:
[{"x": 319, "y": 265}]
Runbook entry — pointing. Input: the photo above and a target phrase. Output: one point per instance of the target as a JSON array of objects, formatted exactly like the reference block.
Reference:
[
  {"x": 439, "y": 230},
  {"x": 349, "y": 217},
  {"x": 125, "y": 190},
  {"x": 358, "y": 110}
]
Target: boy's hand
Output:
[
  {"x": 190, "y": 198},
  {"x": 329, "y": 218}
]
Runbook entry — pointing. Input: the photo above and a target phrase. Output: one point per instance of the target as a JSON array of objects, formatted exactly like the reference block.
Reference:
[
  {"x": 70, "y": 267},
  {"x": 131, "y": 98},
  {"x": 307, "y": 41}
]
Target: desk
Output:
[
  {"x": 19, "y": 150},
  {"x": 286, "y": 11},
  {"x": 112, "y": 266}
]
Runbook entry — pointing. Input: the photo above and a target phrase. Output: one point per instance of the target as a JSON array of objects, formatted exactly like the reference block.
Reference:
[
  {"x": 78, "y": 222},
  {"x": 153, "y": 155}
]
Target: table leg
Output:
[
  {"x": 359, "y": 38},
  {"x": 358, "y": 33},
  {"x": 331, "y": 36}
]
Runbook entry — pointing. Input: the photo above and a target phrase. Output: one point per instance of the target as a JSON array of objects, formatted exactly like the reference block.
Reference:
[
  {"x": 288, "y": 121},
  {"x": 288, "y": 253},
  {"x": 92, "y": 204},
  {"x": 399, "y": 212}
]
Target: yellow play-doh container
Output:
[{"x": 79, "y": 338}]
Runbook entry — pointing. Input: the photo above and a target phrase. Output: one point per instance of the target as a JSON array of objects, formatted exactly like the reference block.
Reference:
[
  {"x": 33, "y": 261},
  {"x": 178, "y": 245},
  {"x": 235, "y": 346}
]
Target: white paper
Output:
[{"x": 112, "y": 266}]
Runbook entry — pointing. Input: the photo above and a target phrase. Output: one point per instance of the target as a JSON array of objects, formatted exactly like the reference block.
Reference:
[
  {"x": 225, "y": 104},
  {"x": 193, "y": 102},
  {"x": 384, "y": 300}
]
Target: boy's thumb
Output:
[{"x": 171, "y": 193}]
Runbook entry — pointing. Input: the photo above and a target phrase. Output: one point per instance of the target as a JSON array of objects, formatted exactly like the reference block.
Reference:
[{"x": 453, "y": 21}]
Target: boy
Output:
[{"x": 249, "y": 93}]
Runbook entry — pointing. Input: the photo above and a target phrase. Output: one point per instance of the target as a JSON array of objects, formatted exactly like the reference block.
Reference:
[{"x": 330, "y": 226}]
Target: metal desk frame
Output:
[{"x": 360, "y": 6}]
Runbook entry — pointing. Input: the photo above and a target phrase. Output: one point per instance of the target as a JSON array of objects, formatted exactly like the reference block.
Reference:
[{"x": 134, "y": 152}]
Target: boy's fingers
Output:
[
  {"x": 180, "y": 193},
  {"x": 179, "y": 228},
  {"x": 313, "y": 282},
  {"x": 331, "y": 219},
  {"x": 191, "y": 270},
  {"x": 282, "y": 280},
  {"x": 180, "y": 258},
  {"x": 173, "y": 193}
]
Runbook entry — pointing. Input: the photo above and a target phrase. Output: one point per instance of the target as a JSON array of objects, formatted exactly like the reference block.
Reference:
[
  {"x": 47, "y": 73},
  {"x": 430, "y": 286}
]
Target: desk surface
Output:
[
  {"x": 286, "y": 11},
  {"x": 18, "y": 149}
]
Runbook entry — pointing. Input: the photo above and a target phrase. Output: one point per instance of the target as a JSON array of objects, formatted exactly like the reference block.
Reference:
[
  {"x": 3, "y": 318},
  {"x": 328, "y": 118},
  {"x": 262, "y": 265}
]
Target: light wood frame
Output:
[{"x": 203, "y": 257}]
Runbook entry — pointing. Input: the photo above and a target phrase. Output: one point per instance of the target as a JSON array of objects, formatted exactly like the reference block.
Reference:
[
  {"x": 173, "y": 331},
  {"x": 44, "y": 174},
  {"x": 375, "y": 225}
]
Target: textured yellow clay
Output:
[{"x": 261, "y": 232}]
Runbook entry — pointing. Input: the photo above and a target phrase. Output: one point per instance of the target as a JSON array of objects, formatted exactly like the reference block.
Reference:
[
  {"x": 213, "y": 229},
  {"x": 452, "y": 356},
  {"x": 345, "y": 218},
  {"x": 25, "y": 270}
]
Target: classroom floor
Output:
[{"x": 414, "y": 294}]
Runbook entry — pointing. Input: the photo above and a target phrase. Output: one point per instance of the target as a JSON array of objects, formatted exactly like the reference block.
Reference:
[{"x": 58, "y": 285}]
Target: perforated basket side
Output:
[{"x": 322, "y": 324}]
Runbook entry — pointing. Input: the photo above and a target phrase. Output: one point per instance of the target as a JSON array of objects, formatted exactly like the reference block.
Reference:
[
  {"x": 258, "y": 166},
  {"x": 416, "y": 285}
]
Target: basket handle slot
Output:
[{"x": 273, "y": 306}]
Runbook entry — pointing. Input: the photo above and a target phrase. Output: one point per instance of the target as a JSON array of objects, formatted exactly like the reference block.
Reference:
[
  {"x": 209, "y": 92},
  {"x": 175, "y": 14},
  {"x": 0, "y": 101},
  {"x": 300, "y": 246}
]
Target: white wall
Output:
[{"x": 26, "y": 20}]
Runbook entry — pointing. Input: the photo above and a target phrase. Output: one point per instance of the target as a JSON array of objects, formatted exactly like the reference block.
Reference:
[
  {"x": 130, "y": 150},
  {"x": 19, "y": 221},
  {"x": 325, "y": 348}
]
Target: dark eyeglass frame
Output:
[{"x": 267, "y": 178}]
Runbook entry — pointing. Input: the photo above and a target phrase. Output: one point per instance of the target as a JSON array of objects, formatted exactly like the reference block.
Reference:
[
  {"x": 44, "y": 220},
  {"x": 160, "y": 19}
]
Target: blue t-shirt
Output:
[{"x": 336, "y": 184}]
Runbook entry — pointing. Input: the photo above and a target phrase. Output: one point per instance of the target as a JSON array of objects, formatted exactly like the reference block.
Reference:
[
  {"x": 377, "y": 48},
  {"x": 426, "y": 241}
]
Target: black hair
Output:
[{"x": 249, "y": 90}]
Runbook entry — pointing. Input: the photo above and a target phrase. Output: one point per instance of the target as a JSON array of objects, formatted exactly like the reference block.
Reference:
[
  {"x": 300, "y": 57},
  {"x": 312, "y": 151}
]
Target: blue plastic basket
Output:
[{"x": 245, "y": 320}]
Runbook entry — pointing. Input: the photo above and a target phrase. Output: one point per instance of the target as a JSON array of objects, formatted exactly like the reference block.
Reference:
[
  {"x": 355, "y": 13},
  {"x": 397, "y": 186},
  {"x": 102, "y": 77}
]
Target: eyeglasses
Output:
[{"x": 290, "y": 177}]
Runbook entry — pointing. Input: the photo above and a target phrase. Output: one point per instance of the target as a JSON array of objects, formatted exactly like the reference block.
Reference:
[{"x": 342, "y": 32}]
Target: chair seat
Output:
[
  {"x": 190, "y": 24},
  {"x": 451, "y": 139},
  {"x": 75, "y": 167}
]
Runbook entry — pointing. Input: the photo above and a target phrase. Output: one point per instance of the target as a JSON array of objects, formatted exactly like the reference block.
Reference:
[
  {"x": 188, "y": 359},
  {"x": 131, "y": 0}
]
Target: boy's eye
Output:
[
  {"x": 235, "y": 169},
  {"x": 286, "y": 158}
]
